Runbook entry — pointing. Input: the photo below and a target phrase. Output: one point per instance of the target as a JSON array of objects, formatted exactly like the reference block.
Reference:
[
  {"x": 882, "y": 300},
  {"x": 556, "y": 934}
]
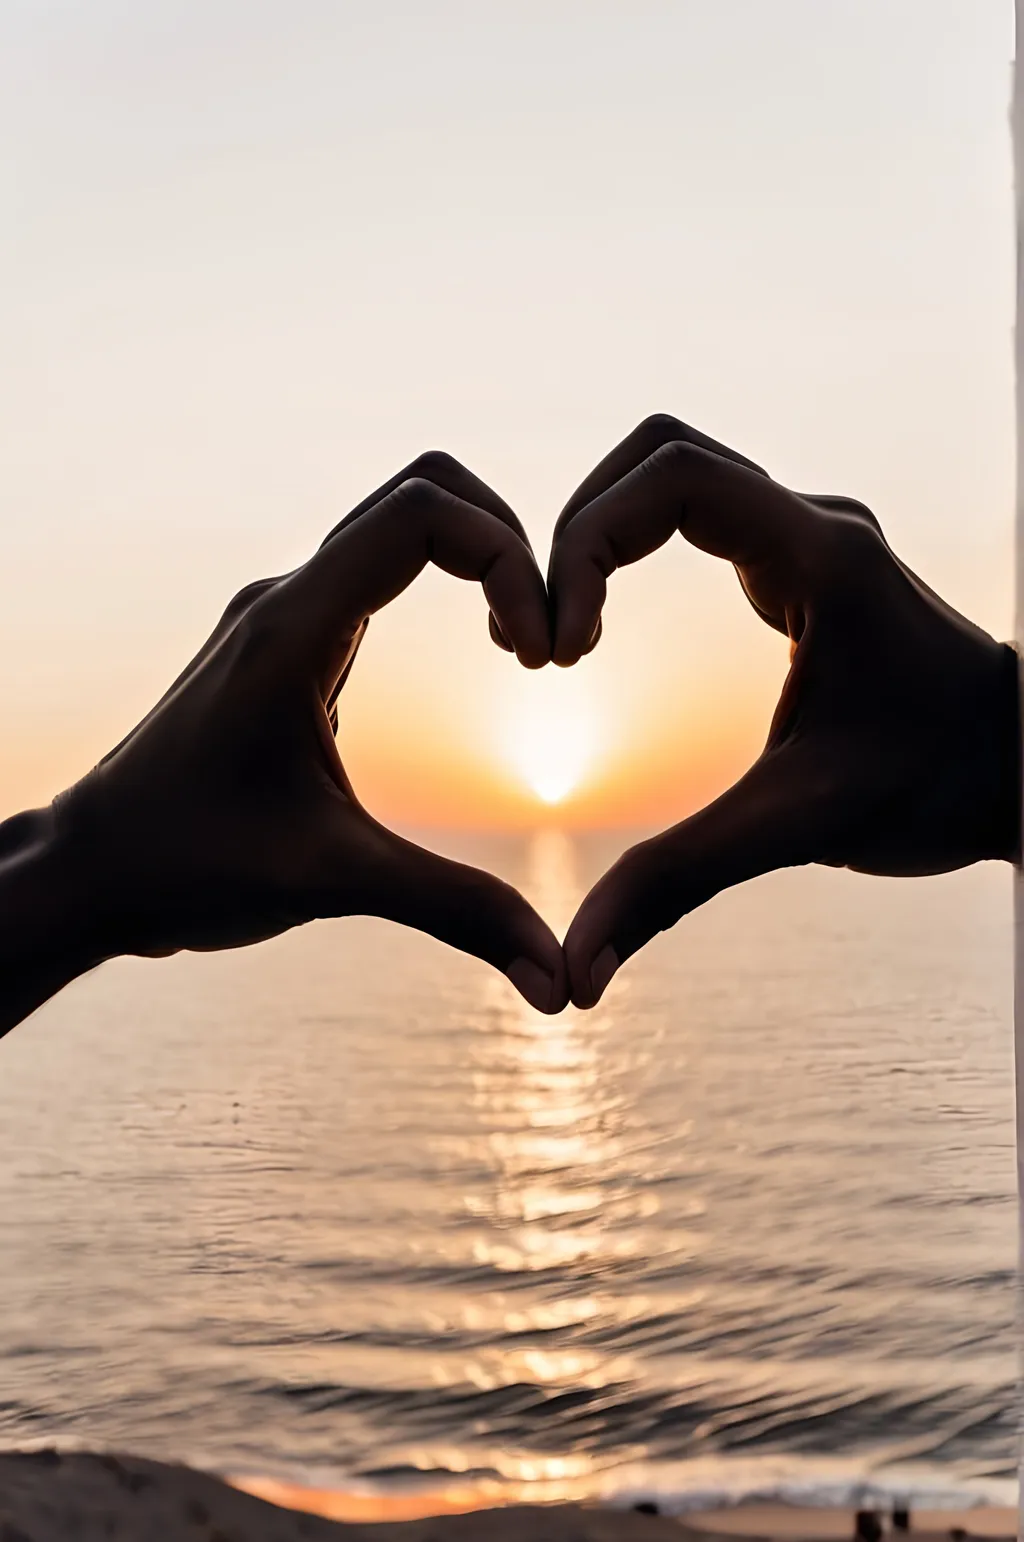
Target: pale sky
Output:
[{"x": 257, "y": 256}]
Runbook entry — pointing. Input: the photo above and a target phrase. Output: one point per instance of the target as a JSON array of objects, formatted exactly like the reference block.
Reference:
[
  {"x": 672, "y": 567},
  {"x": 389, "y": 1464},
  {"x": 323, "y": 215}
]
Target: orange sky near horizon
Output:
[
  {"x": 667, "y": 711},
  {"x": 260, "y": 257}
]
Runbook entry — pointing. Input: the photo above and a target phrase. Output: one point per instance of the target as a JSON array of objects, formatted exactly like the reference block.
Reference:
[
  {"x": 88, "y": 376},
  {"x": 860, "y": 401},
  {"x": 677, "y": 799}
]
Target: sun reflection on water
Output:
[
  {"x": 551, "y": 1116},
  {"x": 549, "y": 1108}
]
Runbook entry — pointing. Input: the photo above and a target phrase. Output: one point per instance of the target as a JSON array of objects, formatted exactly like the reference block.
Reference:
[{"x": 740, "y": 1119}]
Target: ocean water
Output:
[{"x": 343, "y": 1209}]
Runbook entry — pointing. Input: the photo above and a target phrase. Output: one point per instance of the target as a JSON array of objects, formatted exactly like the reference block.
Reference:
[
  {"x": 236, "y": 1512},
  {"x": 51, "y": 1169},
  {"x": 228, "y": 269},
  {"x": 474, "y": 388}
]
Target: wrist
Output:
[
  {"x": 51, "y": 927},
  {"x": 1001, "y": 800}
]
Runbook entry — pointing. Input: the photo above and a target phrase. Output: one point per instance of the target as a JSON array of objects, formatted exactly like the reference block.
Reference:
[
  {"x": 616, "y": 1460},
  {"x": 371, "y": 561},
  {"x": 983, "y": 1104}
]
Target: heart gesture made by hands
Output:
[{"x": 226, "y": 816}]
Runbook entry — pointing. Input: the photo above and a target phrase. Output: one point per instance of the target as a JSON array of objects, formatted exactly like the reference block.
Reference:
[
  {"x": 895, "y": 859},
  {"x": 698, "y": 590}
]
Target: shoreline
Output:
[
  {"x": 77, "y": 1496},
  {"x": 767, "y": 1520}
]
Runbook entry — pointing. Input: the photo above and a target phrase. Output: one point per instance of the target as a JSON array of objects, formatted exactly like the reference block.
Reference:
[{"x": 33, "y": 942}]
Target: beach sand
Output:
[{"x": 47, "y": 1496}]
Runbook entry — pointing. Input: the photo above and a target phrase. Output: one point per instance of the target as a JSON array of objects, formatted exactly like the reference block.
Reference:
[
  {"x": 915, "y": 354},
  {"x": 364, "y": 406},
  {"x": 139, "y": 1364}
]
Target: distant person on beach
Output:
[{"x": 226, "y": 816}]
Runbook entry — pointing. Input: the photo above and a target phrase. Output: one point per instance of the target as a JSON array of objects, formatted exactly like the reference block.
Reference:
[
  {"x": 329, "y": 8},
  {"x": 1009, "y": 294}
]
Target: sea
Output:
[{"x": 343, "y": 1210}]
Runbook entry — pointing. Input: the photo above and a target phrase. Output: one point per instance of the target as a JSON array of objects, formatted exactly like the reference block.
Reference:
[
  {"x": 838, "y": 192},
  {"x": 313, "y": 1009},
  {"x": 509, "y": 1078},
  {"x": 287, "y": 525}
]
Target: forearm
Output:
[
  {"x": 49, "y": 928},
  {"x": 1012, "y": 788},
  {"x": 992, "y": 775}
]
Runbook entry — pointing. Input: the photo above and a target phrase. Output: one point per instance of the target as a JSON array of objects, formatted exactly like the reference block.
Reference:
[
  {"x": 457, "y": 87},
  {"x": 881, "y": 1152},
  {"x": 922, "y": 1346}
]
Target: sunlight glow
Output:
[
  {"x": 550, "y": 735},
  {"x": 552, "y": 776}
]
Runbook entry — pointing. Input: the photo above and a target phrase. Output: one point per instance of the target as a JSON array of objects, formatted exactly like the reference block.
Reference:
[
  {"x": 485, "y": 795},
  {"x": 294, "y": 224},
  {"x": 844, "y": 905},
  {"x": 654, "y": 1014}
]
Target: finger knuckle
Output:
[
  {"x": 575, "y": 543},
  {"x": 436, "y": 464},
  {"x": 859, "y": 540},
  {"x": 416, "y": 495},
  {"x": 246, "y": 597},
  {"x": 858, "y": 510},
  {"x": 854, "y": 547},
  {"x": 658, "y": 428},
  {"x": 257, "y": 634},
  {"x": 673, "y": 456},
  {"x": 839, "y": 503}
]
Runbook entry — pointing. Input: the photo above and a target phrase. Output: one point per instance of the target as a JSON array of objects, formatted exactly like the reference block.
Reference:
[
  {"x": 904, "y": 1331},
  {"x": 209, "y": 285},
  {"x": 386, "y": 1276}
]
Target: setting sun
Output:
[
  {"x": 551, "y": 778},
  {"x": 549, "y": 734}
]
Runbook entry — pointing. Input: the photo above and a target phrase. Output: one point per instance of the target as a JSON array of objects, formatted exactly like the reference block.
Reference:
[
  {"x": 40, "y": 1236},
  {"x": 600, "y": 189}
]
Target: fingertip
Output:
[
  {"x": 535, "y": 984},
  {"x": 581, "y": 997},
  {"x": 582, "y": 994},
  {"x": 577, "y": 631},
  {"x": 568, "y": 651},
  {"x": 595, "y": 636},
  {"x": 533, "y": 646},
  {"x": 564, "y": 654},
  {"x": 521, "y": 618},
  {"x": 518, "y": 600},
  {"x": 534, "y": 660},
  {"x": 589, "y": 981},
  {"x": 497, "y": 635},
  {"x": 602, "y": 970}
]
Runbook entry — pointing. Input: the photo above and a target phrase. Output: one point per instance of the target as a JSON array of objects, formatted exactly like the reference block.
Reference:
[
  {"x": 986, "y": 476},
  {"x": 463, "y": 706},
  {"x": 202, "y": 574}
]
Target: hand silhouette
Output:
[
  {"x": 895, "y": 746},
  {"x": 227, "y": 817}
]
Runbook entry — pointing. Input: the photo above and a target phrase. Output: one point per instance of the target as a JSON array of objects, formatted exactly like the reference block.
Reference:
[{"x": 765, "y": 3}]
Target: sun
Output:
[
  {"x": 550, "y": 759},
  {"x": 550, "y": 736},
  {"x": 553, "y": 783}
]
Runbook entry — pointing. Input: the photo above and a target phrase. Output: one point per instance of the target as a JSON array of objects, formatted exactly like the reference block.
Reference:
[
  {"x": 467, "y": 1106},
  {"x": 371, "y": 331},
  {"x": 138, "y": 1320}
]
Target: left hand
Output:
[{"x": 226, "y": 816}]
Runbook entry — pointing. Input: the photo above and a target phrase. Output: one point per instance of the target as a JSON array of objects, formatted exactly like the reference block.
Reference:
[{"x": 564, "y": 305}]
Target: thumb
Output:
[
  {"x": 777, "y": 815},
  {"x": 463, "y": 906}
]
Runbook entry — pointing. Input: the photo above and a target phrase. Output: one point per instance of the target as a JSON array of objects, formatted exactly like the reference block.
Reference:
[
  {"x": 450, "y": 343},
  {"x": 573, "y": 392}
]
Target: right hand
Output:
[{"x": 895, "y": 746}]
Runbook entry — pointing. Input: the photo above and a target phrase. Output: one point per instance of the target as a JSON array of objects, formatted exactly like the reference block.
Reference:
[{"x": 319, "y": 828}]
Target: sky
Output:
[{"x": 256, "y": 256}]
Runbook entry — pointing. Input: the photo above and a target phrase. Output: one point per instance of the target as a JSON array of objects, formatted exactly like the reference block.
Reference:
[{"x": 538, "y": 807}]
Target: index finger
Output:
[
  {"x": 660, "y": 428},
  {"x": 447, "y": 472},
  {"x": 726, "y": 508},
  {"x": 372, "y": 559}
]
